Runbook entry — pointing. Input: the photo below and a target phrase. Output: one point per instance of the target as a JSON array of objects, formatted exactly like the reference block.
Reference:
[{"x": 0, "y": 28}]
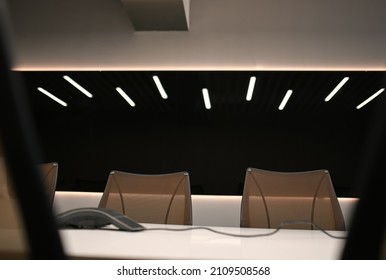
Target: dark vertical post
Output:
[{"x": 22, "y": 155}]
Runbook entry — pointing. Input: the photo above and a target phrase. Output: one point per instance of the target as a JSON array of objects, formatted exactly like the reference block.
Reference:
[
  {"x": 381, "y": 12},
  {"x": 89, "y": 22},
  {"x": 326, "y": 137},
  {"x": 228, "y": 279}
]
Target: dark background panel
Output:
[{"x": 91, "y": 137}]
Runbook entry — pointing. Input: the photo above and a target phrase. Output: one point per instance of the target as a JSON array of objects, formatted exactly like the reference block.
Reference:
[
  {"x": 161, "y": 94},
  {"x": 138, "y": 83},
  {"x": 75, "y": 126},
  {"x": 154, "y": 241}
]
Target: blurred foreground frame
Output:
[
  {"x": 22, "y": 153},
  {"x": 367, "y": 232}
]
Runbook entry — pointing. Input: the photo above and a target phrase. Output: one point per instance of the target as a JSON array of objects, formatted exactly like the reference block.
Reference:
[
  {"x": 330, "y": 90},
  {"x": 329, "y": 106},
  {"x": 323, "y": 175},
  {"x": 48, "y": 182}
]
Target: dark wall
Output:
[{"x": 215, "y": 153}]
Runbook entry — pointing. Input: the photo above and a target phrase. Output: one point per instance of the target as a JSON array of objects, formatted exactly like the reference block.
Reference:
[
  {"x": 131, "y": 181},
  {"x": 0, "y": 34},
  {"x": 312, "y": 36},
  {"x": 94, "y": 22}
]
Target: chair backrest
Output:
[
  {"x": 50, "y": 176},
  {"x": 270, "y": 198},
  {"x": 161, "y": 199}
]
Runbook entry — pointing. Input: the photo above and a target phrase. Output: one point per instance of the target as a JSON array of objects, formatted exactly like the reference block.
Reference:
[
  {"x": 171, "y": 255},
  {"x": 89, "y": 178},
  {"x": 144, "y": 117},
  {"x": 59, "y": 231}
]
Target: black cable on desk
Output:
[{"x": 274, "y": 231}]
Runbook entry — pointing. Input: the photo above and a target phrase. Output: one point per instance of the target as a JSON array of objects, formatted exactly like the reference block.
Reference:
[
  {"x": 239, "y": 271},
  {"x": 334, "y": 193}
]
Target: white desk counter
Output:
[
  {"x": 208, "y": 210},
  {"x": 201, "y": 244}
]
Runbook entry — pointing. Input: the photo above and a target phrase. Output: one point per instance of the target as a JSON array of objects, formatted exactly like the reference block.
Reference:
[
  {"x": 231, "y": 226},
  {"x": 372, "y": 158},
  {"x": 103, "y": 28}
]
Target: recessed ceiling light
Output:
[
  {"x": 285, "y": 99},
  {"x": 251, "y": 87},
  {"x": 336, "y": 89},
  {"x": 160, "y": 87},
  {"x": 205, "y": 94},
  {"x": 78, "y": 86},
  {"x": 125, "y": 96},
  {"x": 53, "y": 97},
  {"x": 370, "y": 98}
]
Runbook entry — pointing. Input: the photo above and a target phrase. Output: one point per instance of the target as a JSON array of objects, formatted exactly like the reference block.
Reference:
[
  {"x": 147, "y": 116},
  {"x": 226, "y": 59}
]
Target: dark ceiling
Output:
[{"x": 227, "y": 91}]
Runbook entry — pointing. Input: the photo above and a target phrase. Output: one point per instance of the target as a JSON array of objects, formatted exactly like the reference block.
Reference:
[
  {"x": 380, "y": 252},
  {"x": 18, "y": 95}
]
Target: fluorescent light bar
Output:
[
  {"x": 160, "y": 87},
  {"x": 125, "y": 96},
  {"x": 251, "y": 87},
  {"x": 78, "y": 86},
  {"x": 205, "y": 94},
  {"x": 53, "y": 97},
  {"x": 285, "y": 99},
  {"x": 336, "y": 89},
  {"x": 370, "y": 98}
]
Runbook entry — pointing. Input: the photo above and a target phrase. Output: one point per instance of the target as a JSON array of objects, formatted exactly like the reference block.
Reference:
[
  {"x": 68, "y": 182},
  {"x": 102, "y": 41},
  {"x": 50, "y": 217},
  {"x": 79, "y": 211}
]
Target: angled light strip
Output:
[
  {"x": 205, "y": 94},
  {"x": 125, "y": 96},
  {"x": 160, "y": 87},
  {"x": 78, "y": 86},
  {"x": 285, "y": 99},
  {"x": 370, "y": 98},
  {"x": 251, "y": 87},
  {"x": 336, "y": 89},
  {"x": 53, "y": 97}
]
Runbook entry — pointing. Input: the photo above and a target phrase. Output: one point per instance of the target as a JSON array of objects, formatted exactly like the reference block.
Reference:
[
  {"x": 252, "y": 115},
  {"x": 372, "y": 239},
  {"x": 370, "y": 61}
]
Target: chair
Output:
[
  {"x": 161, "y": 199},
  {"x": 50, "y": 176},
  {"x": 270, "y": 198}
]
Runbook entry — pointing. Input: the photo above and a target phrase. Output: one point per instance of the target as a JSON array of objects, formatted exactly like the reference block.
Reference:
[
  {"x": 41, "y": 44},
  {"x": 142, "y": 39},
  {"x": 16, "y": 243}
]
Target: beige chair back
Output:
[
  {"x": 161, "y": 199},
  {"x": 270, "y": 198},
  {"x": 50, "y": 177}
]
